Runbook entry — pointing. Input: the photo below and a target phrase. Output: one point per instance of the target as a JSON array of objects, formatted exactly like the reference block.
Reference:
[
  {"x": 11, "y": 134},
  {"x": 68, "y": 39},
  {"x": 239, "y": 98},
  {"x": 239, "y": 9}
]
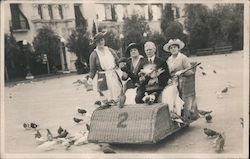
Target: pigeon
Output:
[
  {"x": 49, "y": 135},
  {"x": 201, "y": 67},
  {"x": 210, "y": 132},
  {"x": 77, "y": 120},
  {"x": 242, "y": 122},
  {"x": 38, "y": 134},
  {"x": 100, "y": 93},
  {"x": 98, "y": 103},
  {"x": 106, "y": 149},
  {"x": 220, "y": 142},
  {"x": 68, "y": 143},
  {"x": 82, "y": 140},
  {"x": 214, "y": 71},
  {"x": 224, "y": 90},
  {"x": 60, "y": 130},
  {"x": 88, "y": 127},
  {"x": 203, "y": 73},
  {"x": 30, "y": 125},
  {"x": 122, "y": 100},
  {"x": 208, "y": 118},
  {"x": 81, "y": 111},
  {"x": 203, "y": 112},
  {"x": 62, "y": 134}
]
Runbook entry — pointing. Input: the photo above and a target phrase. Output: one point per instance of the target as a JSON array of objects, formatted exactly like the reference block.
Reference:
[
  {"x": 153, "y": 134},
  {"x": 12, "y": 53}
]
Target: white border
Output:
[{"x": 135, "y": 155}]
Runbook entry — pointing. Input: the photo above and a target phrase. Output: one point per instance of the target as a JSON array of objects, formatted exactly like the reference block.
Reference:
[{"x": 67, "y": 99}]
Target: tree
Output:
[
  {"x": 166, "y": 18},
  {"x": 112, "y": 39},
  {"x": 47, "y": 42},
  {"x": 226, "y": 25},
  {"x": 79, "y": 44},
  {"x": 11, "y": 54},
  {"x": 133, "y": 29},
  {"x": 196, "y": 24}
]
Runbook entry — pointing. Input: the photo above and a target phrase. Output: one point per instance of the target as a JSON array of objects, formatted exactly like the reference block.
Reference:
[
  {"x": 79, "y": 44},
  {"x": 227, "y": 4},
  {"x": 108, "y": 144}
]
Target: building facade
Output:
[{"x": 24, "y": 19}]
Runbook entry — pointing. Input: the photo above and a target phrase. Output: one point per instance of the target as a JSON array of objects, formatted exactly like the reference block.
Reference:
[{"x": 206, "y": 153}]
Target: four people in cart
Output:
[{"x": 148, "y": 79}]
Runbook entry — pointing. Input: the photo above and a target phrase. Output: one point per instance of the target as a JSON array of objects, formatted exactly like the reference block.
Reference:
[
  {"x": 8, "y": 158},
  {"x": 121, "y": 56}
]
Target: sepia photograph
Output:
[{"x": 124, "y": 79}]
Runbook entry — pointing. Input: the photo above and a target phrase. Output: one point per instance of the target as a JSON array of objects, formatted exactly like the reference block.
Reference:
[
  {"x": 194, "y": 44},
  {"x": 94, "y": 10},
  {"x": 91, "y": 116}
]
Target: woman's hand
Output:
[{"x": 178, "y": 73}]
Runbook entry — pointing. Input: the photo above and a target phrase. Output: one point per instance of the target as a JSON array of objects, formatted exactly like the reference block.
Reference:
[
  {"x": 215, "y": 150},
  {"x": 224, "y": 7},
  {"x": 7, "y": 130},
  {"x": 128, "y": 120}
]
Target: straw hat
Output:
[
  {"x": 131, "y": 46},
  {"x": 99, "y": 36},
  {"x": 173, "y": 42}
]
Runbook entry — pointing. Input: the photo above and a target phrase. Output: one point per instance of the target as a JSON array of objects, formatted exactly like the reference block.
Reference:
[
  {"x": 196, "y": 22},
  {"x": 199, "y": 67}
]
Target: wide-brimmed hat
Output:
[
  {"x": 131, "y": 46},
  {"x": 99, "y": 36},
  {"x": 173, "y": 42}
]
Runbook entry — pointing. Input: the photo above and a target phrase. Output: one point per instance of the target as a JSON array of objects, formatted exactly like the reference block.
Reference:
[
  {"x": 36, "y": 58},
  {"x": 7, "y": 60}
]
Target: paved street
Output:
[{"x": 53, "y": 102}]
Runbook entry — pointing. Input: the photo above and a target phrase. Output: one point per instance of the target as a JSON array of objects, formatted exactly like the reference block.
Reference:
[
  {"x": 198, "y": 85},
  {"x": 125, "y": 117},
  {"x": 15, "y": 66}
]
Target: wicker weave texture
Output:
[
  {"x": 131, "y": 124},
  {"x": 188, "y": 86}
]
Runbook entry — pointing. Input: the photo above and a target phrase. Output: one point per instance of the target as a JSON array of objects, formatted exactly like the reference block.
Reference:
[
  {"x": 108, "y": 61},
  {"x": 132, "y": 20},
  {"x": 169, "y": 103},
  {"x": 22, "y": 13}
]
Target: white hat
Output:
[{"x": 173, "y": 42}]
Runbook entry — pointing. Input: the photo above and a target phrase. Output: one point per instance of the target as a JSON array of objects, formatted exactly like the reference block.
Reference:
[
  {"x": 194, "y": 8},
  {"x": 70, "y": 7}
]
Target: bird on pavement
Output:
[
  {"x": 100, "y": 93},
  {"x": 60, "y": 130},
  {"x": 88, "y": 127},
  {"x": 208, "y": 118},
  {"x": 49, "y": 135},
  {"x": 81, "y": 111},
  {"x": 203, "y": 112},
  {"x": 39, "y": 139},
  {"x": 122, "y": 100},
  {"x": 63, "y": 134},
  {"x": 210, "y": 132},
  {"x": 106, "y": 148},
  {"x": 225, "y": 90},
  {"x": 220, "y": 142},
  {"x": 203, "y": 73},
  {"x": 242, "y": 122},
  {"x": 30, "y": 125},
  {"x": 38, "y": 134},
  {"x": 214, "y": 71},
  {"x": 98, "y": 103},
  {"x": 77, "y": 120},
  {"x": 201, "y": 67}
]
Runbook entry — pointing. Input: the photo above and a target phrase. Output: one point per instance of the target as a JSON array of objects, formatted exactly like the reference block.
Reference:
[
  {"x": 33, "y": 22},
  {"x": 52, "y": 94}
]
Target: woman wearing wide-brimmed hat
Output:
[
  {"x": 103, "y": 61},
  {"x": 134, "y": 63},
  {"x": 178, "y": 63}
]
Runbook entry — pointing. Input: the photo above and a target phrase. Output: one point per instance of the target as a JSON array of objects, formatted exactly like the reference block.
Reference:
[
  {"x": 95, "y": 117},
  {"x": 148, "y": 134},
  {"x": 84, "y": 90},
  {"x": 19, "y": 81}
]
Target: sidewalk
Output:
[{"x": 39, "y": 78}]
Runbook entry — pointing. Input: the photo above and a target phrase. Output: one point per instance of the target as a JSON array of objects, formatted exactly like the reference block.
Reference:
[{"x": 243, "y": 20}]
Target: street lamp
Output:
[
  {"x": 62, "y": 48},
  {"x": 26, "y": 54}
]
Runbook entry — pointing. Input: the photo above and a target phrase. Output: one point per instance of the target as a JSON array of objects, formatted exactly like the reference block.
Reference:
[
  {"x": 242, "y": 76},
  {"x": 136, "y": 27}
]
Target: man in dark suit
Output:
[{"x": 160, "y": 82}]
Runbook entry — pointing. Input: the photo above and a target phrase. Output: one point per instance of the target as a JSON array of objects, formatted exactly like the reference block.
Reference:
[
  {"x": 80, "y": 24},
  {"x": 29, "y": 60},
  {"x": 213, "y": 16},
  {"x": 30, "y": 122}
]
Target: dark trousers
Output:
[{"x": 140, "y": 93}]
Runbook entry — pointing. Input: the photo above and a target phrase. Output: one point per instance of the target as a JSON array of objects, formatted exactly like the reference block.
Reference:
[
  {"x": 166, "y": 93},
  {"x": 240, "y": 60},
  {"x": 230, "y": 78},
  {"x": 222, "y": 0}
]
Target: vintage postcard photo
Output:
[{"x": 124, "y": 79}]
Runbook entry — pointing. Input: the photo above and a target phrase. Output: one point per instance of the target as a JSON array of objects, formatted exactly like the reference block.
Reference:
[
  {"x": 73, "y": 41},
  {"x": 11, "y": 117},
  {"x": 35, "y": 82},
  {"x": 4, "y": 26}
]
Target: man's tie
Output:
[{"x": 150, "y": 61}]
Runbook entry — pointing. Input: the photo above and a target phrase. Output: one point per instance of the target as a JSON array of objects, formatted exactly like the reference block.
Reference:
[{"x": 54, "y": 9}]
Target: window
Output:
[
  {"x": 50, "y": 11},
  {"x": 156, "y": 11},
  {"x": 142, "y": 10},
  {"x": 106, "y": 12},
  {"x": 60, "y": 11},
  {"x": 18, "y": 19},
  {"x": 121, "y": 11},
  {"x": 40, "y": 12}
]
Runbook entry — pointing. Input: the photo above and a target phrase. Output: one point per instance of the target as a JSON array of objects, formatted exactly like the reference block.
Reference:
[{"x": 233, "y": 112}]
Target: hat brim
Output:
[
  {"x": 179, "y": 43},
  {"x": 131, "y": 47},
  {"x": 99, "y": 36}
]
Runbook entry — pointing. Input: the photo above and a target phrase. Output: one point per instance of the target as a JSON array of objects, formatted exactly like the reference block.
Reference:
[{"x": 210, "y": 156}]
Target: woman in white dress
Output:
[{"x": 178, "y": 63}]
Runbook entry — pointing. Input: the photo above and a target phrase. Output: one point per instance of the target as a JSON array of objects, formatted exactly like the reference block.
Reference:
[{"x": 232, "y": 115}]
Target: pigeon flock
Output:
[
  {"x": 63, "y": 137},
  {"x": 67, "y": 140}
]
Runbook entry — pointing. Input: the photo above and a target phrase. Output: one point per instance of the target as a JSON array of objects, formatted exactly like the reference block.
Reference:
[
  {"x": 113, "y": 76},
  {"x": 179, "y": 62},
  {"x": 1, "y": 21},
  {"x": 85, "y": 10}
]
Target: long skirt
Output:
[
  {"x": 114, "y": 85},
  {"x": 170, "y": 96}
]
